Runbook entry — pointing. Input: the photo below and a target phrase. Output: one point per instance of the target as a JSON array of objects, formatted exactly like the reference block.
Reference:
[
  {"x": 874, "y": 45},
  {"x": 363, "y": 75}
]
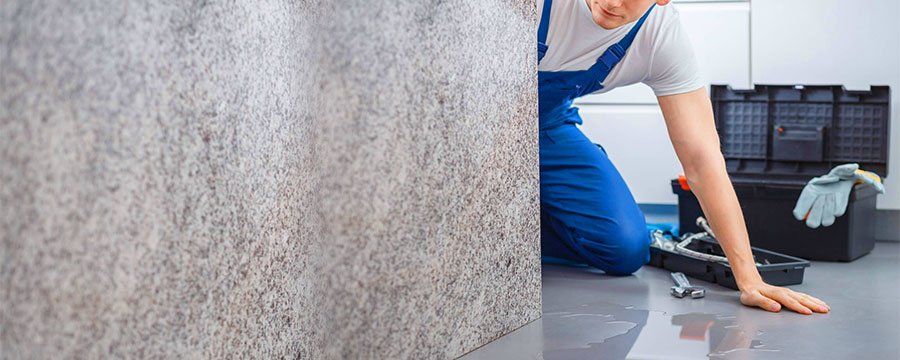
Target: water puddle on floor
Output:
[{"x": 610, "y": 331}]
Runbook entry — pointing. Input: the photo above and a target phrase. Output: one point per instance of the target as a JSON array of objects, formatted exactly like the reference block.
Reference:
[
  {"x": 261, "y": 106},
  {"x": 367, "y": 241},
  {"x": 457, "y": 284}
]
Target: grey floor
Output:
[{"x": 588, "y": 315}]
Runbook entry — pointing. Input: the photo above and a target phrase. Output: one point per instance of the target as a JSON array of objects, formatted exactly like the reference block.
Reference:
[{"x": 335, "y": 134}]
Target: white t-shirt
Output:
[{"x": 661, "y": 55}]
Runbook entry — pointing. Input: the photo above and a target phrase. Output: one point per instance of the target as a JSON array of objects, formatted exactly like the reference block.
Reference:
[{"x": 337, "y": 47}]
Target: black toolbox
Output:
[
  {"x": 775, "y": 139},
  {"x": 775, "y": 269}
]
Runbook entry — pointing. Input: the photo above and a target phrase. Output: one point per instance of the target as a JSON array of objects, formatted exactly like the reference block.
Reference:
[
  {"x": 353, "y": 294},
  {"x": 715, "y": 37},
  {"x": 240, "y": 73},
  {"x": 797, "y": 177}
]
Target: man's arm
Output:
[{"x": 691, "y": 127}]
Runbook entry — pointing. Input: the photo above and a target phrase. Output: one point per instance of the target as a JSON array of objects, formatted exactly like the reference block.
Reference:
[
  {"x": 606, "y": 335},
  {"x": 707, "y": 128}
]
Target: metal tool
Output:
[
  {"x": 682, "y": 247},
  {"x": 684, "y": 288},
  {"x": 660, "y": 241},
  {"x": 703, "y": 224}
]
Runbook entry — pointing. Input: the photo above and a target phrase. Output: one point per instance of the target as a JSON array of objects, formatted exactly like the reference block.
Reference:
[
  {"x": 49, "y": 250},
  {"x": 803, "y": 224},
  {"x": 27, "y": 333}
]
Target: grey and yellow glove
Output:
[{"x": 825, "y": 197}]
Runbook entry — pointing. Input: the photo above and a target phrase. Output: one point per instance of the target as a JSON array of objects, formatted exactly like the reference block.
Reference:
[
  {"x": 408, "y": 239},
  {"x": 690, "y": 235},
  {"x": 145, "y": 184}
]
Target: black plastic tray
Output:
[{"x": 776, "y": 269}]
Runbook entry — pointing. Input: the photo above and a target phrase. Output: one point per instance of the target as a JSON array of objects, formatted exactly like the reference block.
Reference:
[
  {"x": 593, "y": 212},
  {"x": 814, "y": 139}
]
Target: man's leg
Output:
[{"x": 587, "y": 212}]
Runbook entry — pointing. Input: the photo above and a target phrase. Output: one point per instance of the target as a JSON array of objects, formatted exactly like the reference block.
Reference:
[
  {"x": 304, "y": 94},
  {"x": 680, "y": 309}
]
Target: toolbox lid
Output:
[{"x": 790, "y": 134}]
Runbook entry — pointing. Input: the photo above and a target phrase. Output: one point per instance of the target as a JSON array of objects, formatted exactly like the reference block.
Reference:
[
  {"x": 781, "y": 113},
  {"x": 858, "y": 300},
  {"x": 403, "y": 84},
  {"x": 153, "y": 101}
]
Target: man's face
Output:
[{"x": 610, "y": 14}]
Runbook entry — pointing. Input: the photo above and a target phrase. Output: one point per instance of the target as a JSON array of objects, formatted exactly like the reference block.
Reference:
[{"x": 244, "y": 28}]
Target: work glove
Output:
[{"x": 825, "y": 197}]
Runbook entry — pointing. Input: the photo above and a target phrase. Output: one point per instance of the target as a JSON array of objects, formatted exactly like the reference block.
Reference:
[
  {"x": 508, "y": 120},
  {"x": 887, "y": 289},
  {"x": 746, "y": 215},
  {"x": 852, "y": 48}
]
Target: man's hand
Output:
[{"x": 772, "y": 298}]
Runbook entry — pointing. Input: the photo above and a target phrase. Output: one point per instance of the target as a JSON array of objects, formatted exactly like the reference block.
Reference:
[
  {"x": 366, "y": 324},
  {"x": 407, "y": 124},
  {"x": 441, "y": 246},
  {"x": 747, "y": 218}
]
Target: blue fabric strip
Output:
[{"x": 545, "y": 22}]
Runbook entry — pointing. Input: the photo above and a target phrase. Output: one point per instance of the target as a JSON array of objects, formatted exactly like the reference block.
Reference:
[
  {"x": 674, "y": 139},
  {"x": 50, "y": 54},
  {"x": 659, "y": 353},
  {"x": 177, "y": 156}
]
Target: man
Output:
[{"x": 587, "y": 212}]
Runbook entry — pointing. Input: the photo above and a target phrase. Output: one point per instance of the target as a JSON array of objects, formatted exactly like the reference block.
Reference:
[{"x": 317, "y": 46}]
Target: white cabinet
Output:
[
  {"x": 854, "y": 43},
  {"x": 720, "y": 33}
]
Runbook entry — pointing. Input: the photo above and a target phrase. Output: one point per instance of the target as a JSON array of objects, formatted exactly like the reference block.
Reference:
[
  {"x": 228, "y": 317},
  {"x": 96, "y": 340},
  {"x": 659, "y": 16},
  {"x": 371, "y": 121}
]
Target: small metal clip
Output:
[{"x": 684, "y": 288}]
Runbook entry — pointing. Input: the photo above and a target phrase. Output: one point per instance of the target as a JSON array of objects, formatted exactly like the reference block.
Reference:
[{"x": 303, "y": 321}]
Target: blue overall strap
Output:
[
  {"x": 614, "y": 53},
  {"x": 543, "y": 27}
]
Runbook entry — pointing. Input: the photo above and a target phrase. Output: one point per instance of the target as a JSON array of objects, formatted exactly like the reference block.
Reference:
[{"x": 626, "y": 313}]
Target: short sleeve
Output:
[{"x": 673, "y": 66}]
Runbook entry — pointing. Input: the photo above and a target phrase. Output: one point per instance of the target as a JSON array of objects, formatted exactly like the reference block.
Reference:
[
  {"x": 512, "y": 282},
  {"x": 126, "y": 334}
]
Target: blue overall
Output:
[{"x": 588, "y": 215}]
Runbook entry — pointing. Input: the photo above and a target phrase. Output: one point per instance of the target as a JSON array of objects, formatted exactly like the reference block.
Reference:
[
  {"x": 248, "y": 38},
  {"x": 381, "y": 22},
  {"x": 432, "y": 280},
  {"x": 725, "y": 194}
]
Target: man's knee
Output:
[{"x": 632, "y": 248}]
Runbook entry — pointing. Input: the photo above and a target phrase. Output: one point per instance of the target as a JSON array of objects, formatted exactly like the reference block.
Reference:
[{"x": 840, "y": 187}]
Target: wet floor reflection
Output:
[{"x": 609, "y": 331}]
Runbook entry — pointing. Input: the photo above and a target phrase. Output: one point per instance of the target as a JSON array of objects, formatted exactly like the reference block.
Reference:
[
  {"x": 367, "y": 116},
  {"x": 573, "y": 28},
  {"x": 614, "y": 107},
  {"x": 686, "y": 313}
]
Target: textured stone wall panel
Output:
[
  {"x": 431, "y": 176},
  {"x": 155, "y": 161},
  {"x": 266, "y": 179}
]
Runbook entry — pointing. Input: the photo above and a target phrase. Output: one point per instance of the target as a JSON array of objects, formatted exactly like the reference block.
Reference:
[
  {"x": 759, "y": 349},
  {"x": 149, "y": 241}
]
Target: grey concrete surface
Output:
[
  {"x": 587, "y": 315},
  {"x": 266, "y": 179}
]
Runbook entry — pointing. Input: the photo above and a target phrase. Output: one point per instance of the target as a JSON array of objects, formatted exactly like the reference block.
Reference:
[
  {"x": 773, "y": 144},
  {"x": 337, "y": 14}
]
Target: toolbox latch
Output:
[{"x": 798, "y": 142}]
